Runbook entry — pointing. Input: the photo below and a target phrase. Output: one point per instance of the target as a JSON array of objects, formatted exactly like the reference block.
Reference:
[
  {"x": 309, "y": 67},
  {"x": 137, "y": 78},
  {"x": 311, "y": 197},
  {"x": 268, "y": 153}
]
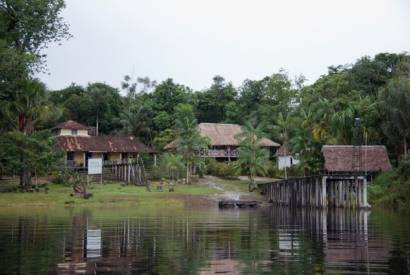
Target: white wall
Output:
[
  {"x": 286, "y": 161},
  {"x": 67, "y": 132}
]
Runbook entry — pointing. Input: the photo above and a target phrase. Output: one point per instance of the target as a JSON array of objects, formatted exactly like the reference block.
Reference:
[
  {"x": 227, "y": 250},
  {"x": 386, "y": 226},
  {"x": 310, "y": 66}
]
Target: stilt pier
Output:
[{"x": 333, "y": 191}]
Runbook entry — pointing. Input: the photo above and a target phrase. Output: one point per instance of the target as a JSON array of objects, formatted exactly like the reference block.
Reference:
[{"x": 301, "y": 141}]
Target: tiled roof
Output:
[
  {"x": 120, "y": 144},
  {"x": 339, "y": 158},
  {"x": 71, "y": 124},
  {"x": 221, "y": 134}
]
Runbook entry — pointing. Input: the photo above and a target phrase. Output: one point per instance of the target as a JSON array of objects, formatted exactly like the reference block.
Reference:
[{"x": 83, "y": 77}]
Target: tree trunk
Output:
[
  {"x": 96, "y": 126},
  {"x": 251, "y": 183},
  {"x": 405, "y": 147},
  {"x": 25, "y": 178},
  {"x": 187, "y": 173}
]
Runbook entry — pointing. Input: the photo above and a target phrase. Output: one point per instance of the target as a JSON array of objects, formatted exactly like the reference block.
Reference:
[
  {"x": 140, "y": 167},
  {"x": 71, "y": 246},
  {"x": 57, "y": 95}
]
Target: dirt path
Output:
[{"x": 231, "y": 190}]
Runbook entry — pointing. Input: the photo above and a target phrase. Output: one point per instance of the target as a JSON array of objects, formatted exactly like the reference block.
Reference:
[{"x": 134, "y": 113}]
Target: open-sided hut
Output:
[
  {"x": 223, "y": 140},
  {"x": 366, "y": 159},
  {"x": 78, "y": 144}
]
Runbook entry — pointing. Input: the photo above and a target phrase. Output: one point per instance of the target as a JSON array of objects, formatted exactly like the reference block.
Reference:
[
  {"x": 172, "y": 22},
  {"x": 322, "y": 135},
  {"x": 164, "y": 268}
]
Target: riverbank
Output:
[
  {"x": 391, "y": 190},
  {"x": 204, "y": 193}
]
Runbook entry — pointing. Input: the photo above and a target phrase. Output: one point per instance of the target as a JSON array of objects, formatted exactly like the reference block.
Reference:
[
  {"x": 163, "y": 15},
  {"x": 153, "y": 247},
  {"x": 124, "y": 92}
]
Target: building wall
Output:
[
  {"x": 79, "y": 158},
  {"x": 114, "y": 157},
  {"x": 67, "y": 132},
  {"x": 97, "y": 155},
  {"x": 286, "y": 161}
]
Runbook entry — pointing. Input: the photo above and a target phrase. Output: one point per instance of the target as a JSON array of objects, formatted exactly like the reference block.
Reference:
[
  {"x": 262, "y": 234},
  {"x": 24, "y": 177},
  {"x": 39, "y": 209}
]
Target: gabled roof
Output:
[
  {"x": 283, "y": 151},
  {"x": 109, "y": 144},
  {"x": 72, "y": 125},
  {"x": 339, "y": 158},
  {"x": 220, "y": 134}
]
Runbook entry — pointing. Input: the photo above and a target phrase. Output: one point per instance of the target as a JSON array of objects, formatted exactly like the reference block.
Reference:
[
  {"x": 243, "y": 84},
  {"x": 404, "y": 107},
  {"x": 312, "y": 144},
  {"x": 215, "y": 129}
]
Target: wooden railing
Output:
[{"x": 219, "y": 153}]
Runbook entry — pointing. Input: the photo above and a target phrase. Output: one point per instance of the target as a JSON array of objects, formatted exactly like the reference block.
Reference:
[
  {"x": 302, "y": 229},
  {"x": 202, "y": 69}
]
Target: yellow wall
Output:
[
  {"x": 67, "y": 132},
  {"x": 114, "y": 157},
  {"x": 79, "y": 158},
  {"x": 97, "y": 155}
]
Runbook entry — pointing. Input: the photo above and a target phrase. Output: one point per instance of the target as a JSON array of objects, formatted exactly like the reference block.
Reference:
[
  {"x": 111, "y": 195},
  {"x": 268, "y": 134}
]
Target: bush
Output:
[
  {"x": 221, "y": 169},
  {"x": 392, "y": 189},
  {"x": 274, "y": 172},
  {"x": 156, "y": 173},
  {"x": 61, "y": 177}
]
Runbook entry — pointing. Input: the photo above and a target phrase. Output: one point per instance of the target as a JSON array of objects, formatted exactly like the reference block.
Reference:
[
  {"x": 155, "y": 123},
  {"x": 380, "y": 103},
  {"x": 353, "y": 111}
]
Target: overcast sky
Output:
[{"x": 193, "y": 40}]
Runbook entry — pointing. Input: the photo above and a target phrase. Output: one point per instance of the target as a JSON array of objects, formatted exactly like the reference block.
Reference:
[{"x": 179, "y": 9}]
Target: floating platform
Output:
[{"x": 239, "y": 204}]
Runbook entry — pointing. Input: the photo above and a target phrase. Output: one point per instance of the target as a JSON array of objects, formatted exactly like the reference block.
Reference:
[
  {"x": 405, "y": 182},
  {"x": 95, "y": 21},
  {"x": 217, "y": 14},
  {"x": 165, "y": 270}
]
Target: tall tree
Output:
[
  {"x": 190, "y": 142},
  {"x": 213, "y": 103},
  {"x": 252, "y": 158},
  {"x": 25, "y": 115},
  {"x": 394, "y": 103},
  {"x": 30, "y": 26}
]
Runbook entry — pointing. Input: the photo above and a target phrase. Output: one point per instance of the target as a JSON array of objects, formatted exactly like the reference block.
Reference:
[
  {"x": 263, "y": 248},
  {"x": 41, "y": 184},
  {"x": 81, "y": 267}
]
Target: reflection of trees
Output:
[
  {"x": 29, "y": 244},
  {"x": 272, "y": 240}
]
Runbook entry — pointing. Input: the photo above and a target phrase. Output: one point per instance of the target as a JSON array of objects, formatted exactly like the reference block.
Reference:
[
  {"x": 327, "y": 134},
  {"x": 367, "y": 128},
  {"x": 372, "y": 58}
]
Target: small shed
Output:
[
  {"x": 340, "y": 158},
  {"x": 285, "y": 158}
]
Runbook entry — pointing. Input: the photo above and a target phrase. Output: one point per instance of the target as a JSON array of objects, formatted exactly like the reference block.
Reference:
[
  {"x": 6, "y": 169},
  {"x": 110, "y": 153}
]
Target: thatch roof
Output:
[
  {"x": 339, "y": 158},
  {"x": 220, "y": 134},
  {"x": 72, "y": 125},
  {"x": 109, "y": 144}
]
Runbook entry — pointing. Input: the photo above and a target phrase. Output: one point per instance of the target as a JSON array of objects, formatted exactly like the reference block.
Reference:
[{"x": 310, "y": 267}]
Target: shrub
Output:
[
  {"x": 221, "y": 169},
  {"x": 61, "y": 177},
  {"x": 392, "y": 189},
  {"x": 156, "y": 173}
]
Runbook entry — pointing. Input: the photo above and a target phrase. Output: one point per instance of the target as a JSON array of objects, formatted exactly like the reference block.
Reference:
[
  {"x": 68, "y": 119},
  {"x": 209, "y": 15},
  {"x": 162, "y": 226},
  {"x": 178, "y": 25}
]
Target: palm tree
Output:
[
  {"x": 282, "y": 126},
  {"x": 29, "y": 109},
  {"x": 173, "y": 164},
  {"x": 252, "y": 158},
  {"x": 135, "y": 121},
  {"x": 190, "y": 141}
]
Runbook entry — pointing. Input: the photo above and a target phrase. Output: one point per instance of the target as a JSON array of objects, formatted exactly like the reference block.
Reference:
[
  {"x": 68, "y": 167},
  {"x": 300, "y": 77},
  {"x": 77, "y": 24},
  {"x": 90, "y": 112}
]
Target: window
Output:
[
  {"x": 74, "y": 132},
  {"x": 70, "y": 155}
]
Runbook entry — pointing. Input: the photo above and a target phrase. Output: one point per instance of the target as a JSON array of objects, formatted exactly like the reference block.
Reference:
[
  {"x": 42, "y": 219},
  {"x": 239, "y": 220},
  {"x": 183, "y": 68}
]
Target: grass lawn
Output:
[{"x": 115, "y": 193}]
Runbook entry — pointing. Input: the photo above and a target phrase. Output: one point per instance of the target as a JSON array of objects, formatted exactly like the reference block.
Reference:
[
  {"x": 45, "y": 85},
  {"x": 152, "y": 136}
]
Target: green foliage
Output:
[
  {"x": 252, "y": 159},
  {"x": 29, "y": 26},
  {"x": 35, "y": 153},
  {"x": 394, "y": 101},
  {"x": 172, "y": 165},
  {"x": 190, "y": 142},
  {"x": 221, "y": 169},
  {"x": 165, "y": 137},
  {"x": 213, "y": 103},
  {"x": 392, "y": 189}
]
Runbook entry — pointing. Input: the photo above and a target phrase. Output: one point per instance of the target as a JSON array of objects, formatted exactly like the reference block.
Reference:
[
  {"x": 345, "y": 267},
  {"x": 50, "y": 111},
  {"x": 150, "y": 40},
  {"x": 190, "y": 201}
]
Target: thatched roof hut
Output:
[
  {"x": 339, "y": 158},
  {"x": 221, "y": 134}
]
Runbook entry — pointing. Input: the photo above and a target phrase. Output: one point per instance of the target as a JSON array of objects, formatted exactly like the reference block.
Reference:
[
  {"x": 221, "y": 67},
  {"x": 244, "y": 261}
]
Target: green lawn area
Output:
[
  {"x": 112, "y": 193},
  {"x": 106, "y": 193}
]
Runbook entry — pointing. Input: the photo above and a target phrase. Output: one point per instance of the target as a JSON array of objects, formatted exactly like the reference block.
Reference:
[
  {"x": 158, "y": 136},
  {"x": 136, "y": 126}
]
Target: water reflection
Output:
[{"x": 272, "y": 240}]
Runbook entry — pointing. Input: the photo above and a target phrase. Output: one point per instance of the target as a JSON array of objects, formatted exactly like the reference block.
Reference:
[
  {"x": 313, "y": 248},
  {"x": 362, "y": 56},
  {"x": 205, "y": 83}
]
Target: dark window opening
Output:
[{"x": 70, "y": 155}]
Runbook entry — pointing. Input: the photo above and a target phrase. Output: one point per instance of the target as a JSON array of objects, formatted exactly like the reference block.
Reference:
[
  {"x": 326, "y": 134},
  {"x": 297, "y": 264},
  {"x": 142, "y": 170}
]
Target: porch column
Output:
[{"x": 365, "y": 204}]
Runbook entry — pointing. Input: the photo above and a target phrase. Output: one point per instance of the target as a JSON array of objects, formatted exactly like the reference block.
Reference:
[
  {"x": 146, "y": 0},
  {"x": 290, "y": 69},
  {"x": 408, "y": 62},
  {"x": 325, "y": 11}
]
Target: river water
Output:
[{"x": 207, "y": 241}]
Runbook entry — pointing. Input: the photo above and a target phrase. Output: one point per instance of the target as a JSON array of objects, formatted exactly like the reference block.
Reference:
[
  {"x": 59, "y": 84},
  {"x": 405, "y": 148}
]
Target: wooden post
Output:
[
  {"x": 324, "y": 193},
  {"x": 365, "y": 203}
]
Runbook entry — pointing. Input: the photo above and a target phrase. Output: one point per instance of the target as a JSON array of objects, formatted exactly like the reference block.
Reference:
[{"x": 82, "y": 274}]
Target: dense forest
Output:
[{"x": 286, "y": 109}]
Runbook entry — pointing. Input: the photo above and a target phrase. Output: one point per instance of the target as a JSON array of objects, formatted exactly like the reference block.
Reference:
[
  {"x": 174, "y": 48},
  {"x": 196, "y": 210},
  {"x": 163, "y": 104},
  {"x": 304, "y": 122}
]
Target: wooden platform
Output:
[{"x": 239, "y": 204}]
